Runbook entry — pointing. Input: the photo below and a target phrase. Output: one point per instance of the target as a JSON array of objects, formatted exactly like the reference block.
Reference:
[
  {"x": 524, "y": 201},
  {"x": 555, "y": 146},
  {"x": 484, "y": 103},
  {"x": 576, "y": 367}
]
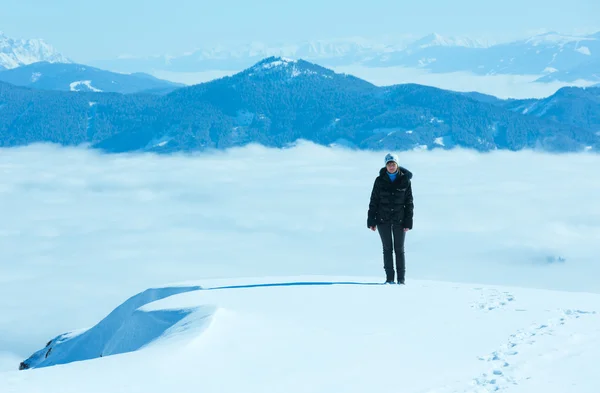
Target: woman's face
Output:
[{"x": 391, "y": 166}]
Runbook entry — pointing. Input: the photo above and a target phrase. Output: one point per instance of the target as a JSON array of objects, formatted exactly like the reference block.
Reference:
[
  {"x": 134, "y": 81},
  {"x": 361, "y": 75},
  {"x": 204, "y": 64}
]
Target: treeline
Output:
[{"x": 278, "y": 106}]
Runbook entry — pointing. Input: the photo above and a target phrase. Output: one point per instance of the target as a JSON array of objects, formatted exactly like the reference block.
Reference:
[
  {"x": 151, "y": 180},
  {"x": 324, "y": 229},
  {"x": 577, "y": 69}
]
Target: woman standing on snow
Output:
[{"x": 391, "y": 212}]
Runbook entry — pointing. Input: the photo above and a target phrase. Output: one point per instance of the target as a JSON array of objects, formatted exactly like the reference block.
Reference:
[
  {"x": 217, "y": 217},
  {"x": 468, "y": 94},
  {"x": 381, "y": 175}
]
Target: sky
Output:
[
  {"x": 76, "y": 220},
  {"x": 88, "y": 31}
]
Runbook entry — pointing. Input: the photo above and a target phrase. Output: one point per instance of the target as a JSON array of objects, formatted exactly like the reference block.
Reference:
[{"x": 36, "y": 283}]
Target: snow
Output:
[
  {"x": 584, "y": 50},
  {"x": 282, "y": 61},
  {"x": 35, "y": 76},
  {"x": 553, "y": 38},
  {"x": 329, "y": 334},
  {"x": 529, "y": 108},
  {"x": 426, "y": 61},
  {"x": 288, "y": 65},
  {"x": 439, "y": 40},
  {"x": 75, "y": 86},
  {"x": 201, "y": 273},
  {"x": 159, "y": 142},
  {"x": 18, "y": 52},
  {"x": 126, "y": 329}
]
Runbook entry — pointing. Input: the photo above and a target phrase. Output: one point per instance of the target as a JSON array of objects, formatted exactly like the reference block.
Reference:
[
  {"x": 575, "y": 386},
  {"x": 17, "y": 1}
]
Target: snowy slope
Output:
[
  {"x": 328, "y": 334},
  {"x": 18, "y": 52},
  {"x": 80, "y": 77}
]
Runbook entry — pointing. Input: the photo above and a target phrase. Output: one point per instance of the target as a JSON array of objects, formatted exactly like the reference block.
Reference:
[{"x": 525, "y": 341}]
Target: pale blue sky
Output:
[{"x": 95, "y": 30}]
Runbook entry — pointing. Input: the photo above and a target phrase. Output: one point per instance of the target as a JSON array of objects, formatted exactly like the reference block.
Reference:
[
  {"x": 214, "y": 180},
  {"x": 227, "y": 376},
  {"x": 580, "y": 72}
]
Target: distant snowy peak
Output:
[
  {"x": 435, "y": 39},
  {"x": 336, "y": 48},
  {"x": 556, "y": 39},
  {"x": 330, "y": 49},
  {"x": 18, "y": 52},
  {"x": 317, "y": 49}
]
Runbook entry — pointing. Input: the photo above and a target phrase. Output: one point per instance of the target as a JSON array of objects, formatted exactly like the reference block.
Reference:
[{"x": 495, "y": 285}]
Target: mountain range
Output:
[
  {"x": 279, "y": 101},
  {"x": 79, "y": 77},
  {"x": 551, "y": 56}
]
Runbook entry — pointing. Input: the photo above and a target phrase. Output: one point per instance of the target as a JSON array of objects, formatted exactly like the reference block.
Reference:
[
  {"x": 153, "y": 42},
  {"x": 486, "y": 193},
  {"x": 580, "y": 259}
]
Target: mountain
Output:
[
  {"x": 276, "y": 102},
  {"x": 336, "y": 52},
  {"x": 550, "y": 55},
  {"x": 543, "y": 54},
  {"x": 286, "y": 334},
  {"x": 78, "y": 77},
  {"x": 331, "y": 52},
  {"x": 577, "y": 107},
  {"x": 587, "y": 70},
  {"x": 489, "y": 99},
  {"x": 18, "y": 52}
]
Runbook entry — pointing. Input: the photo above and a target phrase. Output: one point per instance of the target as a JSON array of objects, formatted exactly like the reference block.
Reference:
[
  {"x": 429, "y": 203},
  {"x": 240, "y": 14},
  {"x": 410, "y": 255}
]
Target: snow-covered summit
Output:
[
  {"x": 326, "y": 334},
  {"x": 274, "y": 61},
  {"x": 287, "y": 67},
  {"x": 18, "y": 52}
]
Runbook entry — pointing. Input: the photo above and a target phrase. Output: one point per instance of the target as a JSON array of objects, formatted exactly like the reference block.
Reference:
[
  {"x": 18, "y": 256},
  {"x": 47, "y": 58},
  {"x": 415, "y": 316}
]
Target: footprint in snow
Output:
[
  {"x": 492, "y": 299},
  {"x": 501, "y": 372}
]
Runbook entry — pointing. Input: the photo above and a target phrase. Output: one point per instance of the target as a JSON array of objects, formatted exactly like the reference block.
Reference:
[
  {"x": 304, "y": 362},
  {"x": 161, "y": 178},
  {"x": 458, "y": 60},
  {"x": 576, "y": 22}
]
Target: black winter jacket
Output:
[{"x": 391, "y": 202}]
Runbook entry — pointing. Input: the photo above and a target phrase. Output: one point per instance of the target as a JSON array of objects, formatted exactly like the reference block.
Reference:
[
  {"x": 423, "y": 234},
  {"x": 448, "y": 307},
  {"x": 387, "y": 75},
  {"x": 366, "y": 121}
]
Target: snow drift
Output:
[{"x": 128, "y": 328}]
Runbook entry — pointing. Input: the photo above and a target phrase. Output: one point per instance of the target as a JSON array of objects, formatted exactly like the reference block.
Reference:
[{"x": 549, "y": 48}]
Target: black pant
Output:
[{"x": 386, "y": 231}]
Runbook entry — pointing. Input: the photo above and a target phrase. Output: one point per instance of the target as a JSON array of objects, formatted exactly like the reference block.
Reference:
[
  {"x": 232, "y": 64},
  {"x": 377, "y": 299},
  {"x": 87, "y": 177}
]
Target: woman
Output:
[{"x": 391, "y": 212}]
